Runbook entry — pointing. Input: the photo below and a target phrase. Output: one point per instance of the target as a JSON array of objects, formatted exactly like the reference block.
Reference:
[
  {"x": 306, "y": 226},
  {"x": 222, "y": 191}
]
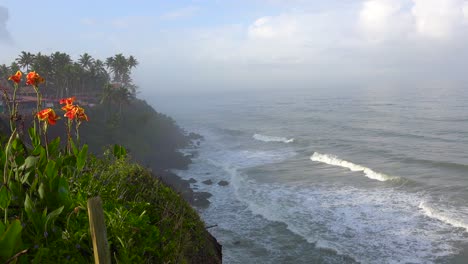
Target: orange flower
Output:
[
  {"x": 48, "y": 115},
  {"x": 80, "y": 114},
  {"x": 74, "y": 111},
  {"x": 34, "y": 79},
  {"x": 68, "y": 101},
  {"x": 16, "y": 78}
]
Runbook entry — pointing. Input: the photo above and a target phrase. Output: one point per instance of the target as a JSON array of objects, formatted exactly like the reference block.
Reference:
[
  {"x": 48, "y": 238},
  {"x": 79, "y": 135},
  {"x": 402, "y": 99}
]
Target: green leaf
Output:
[
  {"x": 37, "y": 150},
  {"x": 52, "y": 216},
  {"x": 63, "y": 190},
  {"x": 81, "y": 158},
  {"x": 10, "y": 239},
  {"x": 54, "y": 147},
  {"x": 119, "y": 151},
  {"x": 51, "y": 170},
  {"x": 41, "y": 191},
  {"x": 25, "y": 177},
  {"x": 5, "y": 197},
  {"x": 74, "y": 148},
  {"x": 28, "y": 206},
  {"x": 36, "y": 141},
  {"x": 29, "y": 162}
]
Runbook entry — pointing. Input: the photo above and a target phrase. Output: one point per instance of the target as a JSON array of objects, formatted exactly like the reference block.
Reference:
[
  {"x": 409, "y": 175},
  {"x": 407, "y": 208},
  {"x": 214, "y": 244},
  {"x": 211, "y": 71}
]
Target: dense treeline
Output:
[{"x": 86, "y": 76}]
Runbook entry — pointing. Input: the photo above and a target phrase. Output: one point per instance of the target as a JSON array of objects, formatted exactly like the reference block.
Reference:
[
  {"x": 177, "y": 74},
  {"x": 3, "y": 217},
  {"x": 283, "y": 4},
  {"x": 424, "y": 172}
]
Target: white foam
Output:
[
  {"x": 442, "y": 216},
  {"x": 370, "y": 226},
  {"x": 265, "y": 138},
  {"x": 335, "y": 161}
]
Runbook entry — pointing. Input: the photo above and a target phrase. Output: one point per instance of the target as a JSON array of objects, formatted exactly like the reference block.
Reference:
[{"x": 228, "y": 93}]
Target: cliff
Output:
[{"x": 147, "y": 221}]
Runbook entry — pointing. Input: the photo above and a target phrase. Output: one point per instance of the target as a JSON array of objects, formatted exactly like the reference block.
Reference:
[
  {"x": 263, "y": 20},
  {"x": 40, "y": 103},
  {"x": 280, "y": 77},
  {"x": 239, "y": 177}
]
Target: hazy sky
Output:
[{"x": 203, "y": 45}]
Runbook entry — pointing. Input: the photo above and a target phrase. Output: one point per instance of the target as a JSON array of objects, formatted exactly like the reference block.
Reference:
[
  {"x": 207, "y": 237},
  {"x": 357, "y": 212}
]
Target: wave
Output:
[
  {"x": 441, "y": 216},
  {"x": 335, "y": 161},
  {"x": 265, "y": 138}
]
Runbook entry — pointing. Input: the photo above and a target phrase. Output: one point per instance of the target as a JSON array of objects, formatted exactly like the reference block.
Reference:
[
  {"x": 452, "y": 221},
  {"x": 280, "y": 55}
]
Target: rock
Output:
[
  {"x": 200, "y": 199},
  {"x": 192, "y": 180},
  {"x": 223, "y": 183},
  {"x": 195, "y": 136},
  {"x": 207, "y": 182}
]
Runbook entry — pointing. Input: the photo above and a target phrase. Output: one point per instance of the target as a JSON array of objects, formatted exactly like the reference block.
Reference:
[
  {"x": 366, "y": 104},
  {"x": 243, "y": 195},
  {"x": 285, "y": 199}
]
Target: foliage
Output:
[
  {"x": 149, "y": 136},
  {"x": 86, "y": 76},
  {"x": 45, "y": 189}
]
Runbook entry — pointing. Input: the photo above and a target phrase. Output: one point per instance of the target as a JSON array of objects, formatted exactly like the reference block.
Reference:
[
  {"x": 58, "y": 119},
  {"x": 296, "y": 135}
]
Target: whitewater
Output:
[{"x": 329, "y": 176}]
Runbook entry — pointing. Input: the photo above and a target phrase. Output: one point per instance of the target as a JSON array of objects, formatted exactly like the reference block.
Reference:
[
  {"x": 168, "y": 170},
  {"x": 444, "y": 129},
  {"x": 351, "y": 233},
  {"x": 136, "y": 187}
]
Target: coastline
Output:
[{"x": 193, "y": 197}]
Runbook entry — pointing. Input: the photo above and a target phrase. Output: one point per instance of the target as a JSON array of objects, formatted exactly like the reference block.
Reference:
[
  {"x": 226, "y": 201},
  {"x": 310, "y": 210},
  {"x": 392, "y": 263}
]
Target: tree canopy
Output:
[{"x": 86, "y": 76}]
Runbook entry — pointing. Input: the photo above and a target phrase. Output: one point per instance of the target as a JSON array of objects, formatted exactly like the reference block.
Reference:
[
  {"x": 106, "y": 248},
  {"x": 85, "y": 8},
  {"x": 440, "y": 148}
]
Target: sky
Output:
[{"x": 239, "y": 45}]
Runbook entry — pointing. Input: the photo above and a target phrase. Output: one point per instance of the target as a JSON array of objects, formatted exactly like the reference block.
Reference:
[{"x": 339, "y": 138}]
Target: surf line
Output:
[{"x": 335, "y": 161}]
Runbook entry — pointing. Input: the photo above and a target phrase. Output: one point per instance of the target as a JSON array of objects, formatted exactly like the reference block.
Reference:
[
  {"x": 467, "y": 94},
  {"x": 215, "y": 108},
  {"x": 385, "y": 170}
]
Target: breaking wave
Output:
[
  {"x": 265, "y": 138},
  {"x": 441, "y": 216},
  {"x": 335, "y": 161}
]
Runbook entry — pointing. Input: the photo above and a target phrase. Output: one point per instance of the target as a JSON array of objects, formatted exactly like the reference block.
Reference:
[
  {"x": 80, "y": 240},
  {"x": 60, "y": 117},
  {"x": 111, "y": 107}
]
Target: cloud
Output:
[
  {"x": 392, "y": 19},
  {"x": 465, "y": 12},
  {"x": 376, "y": 41},
  {"x": 5, "y": 36},
  {"x": 130, "y": 22},
  {"x": 283, "y": 26},
  {"x": 438, "y": 18},
  {"x": 384, "y": 19},
  {"x": 185, "y": 12},
  {"x": 88, "y": 21}
]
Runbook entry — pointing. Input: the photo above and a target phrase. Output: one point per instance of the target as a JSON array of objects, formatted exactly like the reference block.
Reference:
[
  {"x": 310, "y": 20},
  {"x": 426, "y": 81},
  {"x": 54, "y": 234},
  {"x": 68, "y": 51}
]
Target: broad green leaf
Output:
[
  {"x": 52, "y": 216},
  {"x": 74, "y": 148},
  {"x": 10, "y": 239},
  {"x": 35, "y": 139},
  {"x": 51, "y": 170},
  {"x": 81, "y": 158},
  {"x": 29, "y": 162},
  {"x": 28, "y": 206},
  {"x": 63, "y": 190},
  {"x": 41, "y": 191},
  {"x": 54, "y": 147},
  {"x": 5, "y": 197}
]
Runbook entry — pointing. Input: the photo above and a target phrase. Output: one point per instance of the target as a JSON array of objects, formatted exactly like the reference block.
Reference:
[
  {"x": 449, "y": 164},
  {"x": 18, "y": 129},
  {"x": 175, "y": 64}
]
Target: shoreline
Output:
[{"x": 193, "y": 197}]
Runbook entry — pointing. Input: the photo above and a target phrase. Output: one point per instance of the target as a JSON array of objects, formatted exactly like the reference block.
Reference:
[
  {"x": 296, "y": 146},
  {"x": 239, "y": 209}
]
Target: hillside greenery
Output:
[{"x": 49, "y": 173}]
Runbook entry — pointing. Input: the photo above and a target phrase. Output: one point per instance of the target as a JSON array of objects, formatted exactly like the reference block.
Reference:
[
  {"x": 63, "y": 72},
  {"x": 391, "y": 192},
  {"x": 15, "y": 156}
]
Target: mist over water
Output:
[{"x": 328, "y": 176}]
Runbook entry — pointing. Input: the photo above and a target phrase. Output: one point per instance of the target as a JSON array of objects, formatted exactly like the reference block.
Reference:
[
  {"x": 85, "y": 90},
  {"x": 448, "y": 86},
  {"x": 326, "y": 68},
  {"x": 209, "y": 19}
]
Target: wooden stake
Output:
[{"x": 98, "y": 231}]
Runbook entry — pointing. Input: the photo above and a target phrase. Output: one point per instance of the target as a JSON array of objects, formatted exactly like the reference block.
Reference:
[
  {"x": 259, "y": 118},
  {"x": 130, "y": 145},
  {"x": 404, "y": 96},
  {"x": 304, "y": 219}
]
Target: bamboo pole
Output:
[{"x": 97, "y": 226}]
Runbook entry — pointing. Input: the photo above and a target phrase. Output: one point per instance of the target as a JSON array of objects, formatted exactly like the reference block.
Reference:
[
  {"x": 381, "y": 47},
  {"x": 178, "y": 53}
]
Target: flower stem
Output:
[
  {"x": 7, "y": 152},
  {"x": 45, "y": 140},
  {"x": 69, "y": 123},
  {"x": 14, "y": 109}
]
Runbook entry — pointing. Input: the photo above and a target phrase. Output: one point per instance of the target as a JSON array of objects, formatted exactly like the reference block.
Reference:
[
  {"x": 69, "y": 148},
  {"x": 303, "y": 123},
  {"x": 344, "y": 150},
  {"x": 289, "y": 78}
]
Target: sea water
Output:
[{"x": 375, "y": 175}]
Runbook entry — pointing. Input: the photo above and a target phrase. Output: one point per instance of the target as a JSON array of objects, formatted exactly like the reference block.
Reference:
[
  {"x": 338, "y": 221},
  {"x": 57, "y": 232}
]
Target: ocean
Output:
[{"x": 332, "y": 175}]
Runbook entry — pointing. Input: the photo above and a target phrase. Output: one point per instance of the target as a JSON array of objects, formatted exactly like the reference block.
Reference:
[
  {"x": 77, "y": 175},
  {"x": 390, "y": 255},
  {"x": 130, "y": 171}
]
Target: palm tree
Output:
[
  {"x": 14, "y": 67},
  {"x": 132, "y": 62},
  {"x": 25, "y": 60},
  {"x": 86, "y": 61},
  {"x": 60, "y": 65},
  {"x": 98, "y": 77},
  {"x": 43, "y": 64},
  {"x": 119, "y": 66},
  {"x": 4, "y": 72}
]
